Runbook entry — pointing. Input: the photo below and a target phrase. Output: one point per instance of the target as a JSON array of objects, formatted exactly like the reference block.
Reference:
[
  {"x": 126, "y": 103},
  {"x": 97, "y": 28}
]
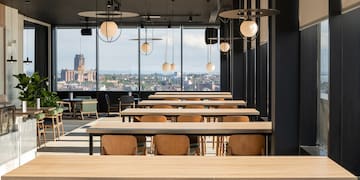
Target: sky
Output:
[{"x": 122, "y": 55}]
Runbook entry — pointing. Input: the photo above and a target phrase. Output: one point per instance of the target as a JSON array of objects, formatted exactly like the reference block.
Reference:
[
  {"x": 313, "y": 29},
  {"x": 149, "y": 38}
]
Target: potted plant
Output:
[{"x": 32, "y": 87}]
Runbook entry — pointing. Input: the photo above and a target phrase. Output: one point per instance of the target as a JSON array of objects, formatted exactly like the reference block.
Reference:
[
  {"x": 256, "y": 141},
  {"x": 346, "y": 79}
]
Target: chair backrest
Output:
[
  {"x": 171, "y": 99},
  {"x": 153, "y": 119},
  {"x": 162, "y": 106},
  {"x": 127, "y": 99},
  {"x": 118, "y": 145},
  {"x": 235, "y": 119},
  {"x": 216, "y": 99},
  {"x": 171, "y": 144},
  {"x": 227, "y": 106},
  {"x": 192, "y": 99},
  {"x": 244, "y": 145},
  {"x": 194, "y": 118},
  {"x": 194, "y": 106}
]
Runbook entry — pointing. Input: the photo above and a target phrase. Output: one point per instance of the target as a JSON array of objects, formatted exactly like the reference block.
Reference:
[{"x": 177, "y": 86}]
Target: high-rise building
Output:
[{"x": 79, "y": 62}]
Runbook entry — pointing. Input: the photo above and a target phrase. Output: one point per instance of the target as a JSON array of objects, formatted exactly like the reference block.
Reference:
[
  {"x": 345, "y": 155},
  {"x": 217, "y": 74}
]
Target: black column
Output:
[
  {"x": 285, "y": 78},
  {"x": 41, "y": 50},
  {"x": 238, "y": 60},
  {"x": 344, "y": 96},
  {"x": 309, "y": 50},
  {"x": 224, "y": 59}
]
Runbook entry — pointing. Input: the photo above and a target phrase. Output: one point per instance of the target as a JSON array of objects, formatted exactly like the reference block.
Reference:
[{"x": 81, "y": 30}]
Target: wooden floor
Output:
[{"x": 76, "y": 140}]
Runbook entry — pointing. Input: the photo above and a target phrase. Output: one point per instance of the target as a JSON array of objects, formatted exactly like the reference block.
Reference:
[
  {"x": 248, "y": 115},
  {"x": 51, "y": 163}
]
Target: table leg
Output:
[
  {"x": 266, "y": 145},
  {"x": 91, "y": 144}
]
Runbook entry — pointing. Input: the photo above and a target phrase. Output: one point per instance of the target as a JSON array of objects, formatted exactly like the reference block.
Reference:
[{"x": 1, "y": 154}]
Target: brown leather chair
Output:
[
  {"x": 118, "y": 145},
  {"x": 245, "y": 145},
  {"x": 221, "y": 141},
  {"x": 162, "y": 106},
  {"x": 194, "y": 106},
  {"x": 153, "y": 119},
  {"x": 171, "y": 144},
  {"x": 142, "y": 139},
  {"x": 171, "y": 99},
  {"x": 192, "y": 99},
  {"x": 194, "y": 140},
  {"x": 227, "y": 106}
]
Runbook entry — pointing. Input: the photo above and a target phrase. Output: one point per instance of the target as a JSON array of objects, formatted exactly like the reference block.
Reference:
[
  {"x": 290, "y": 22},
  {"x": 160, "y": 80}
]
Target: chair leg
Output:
[
  {"x": 97, "y": 115},
  {"x": 82, "y": 116}
]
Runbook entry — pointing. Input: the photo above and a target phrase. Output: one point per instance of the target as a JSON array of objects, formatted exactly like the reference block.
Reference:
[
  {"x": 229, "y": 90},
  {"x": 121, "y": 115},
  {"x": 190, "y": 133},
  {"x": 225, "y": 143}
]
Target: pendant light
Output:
[
  {"x": 166, "y": 66},
  {"x": 173, "y": 65},
  {"x": 210, "y": 67},
  {"x": 11, "y": 44},
  {"x": 249, "y": 28},
  {"x": 109, "y": 30},
  {"x": 224, "y": 46}
]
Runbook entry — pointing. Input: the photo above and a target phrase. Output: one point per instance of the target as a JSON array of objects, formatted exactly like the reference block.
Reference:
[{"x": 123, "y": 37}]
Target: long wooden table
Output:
[
  {"x": 196, "y": 93},
  {"x": 117, "y": 127},
  {"x": 65, "y": 167},
  {"x": 184, "y": 103},
  {"x": 203, "y": 112},
  {"x": 185, "y": 96}
]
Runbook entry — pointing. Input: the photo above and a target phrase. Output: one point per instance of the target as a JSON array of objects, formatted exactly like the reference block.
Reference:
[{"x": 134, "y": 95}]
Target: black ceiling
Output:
[{"x": 64, "y": 12}]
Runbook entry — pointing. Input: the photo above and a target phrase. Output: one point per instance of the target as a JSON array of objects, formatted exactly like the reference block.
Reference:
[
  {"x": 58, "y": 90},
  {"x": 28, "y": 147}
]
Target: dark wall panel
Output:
[
  {"x": 344, "y": 146},
  {"x": 309, "y": 44},
  {"x": 262, "y": 80},
  {"x": 41, "y": 50},
  {"x": 285, "y": 80}
]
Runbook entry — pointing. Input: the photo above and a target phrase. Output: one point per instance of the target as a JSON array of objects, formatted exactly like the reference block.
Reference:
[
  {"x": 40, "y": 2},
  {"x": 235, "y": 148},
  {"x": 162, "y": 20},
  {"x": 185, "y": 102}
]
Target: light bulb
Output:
[
  {"x": 248, "y": 28},
  {"x": 172, "y": 66},
  {"x": 224, "y": 46},
  {"x": 166, "y": 67},
  {"x": 108, "y": 29},
  {"x": 210, "y": 67},
  {"x": 145, "y": 47}
]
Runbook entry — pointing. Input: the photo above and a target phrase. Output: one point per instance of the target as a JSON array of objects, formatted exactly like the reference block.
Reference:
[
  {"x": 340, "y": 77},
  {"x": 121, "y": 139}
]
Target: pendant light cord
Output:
[
  {"x": 173, "y": 43},
  {"x": 166, "y": 45}
]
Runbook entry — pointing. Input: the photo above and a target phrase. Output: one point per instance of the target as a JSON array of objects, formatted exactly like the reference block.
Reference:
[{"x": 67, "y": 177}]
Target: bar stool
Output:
[{"x": 40, "y": 128}]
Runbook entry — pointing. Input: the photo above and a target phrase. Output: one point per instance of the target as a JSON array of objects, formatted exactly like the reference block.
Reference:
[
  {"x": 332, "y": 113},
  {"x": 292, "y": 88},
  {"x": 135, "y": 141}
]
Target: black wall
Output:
[
  {"x": 309, "y": 48},
  {"x": 285, "y": 80},
  {"x": 344, "y": 96}
]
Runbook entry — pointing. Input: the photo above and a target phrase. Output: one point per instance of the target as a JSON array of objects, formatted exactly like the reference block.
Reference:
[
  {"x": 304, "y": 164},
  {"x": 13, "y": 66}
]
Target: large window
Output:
[
  {"x": 122, "y": 66},
  {"x": 75, "y": 60},
  {"x": 196, "y": 56},
  {"x": 153, "y": 78},
  {"x": 118, "y": 63},
  {"x": 29, "y": 50}
]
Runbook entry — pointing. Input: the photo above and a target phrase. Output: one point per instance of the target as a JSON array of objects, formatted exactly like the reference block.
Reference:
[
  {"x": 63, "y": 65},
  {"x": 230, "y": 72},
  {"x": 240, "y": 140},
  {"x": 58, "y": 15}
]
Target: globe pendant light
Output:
[
  {"x": 108, "y": 29},
  {"x": 249, "y": 28},
  {"x": 166, "y": 66},
  {"x": 224, "y": 46},
  {"x": 146, "y": 47},
  {"x": 172, "y": 65},
  {"x": 210, "y": 67}
]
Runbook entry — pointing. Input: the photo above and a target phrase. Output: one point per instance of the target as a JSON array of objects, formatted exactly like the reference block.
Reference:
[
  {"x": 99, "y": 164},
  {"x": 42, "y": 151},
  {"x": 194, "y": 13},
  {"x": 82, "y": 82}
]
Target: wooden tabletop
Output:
[
  {"x": 205, "y": 92},
  {"x": 74, "y": 167},
  {"x": 203, "y": 112},
  {"x": 228, "y": 128},
  {"x": 184, "y": 103},
  {"x": 184, "y": 96}
]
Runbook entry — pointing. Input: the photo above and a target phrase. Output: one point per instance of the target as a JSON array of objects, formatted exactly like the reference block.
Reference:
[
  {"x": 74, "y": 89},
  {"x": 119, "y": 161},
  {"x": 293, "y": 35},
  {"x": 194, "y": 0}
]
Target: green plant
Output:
[{"x": 32, "y": 87}]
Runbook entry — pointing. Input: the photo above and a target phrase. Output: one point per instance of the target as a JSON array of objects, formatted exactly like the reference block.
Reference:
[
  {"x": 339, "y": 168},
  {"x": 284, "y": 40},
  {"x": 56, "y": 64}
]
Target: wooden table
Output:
[
  {"x": 202, "y": 112},
  {"x": 117, "y": 127},
  {"x": 185, "y": 96},
  {"x": 73, "y": 102},
  {"x": 196, "y": 93},
  {"x": 64, "y": 167},
  {"x": 184, "y": 103}
]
